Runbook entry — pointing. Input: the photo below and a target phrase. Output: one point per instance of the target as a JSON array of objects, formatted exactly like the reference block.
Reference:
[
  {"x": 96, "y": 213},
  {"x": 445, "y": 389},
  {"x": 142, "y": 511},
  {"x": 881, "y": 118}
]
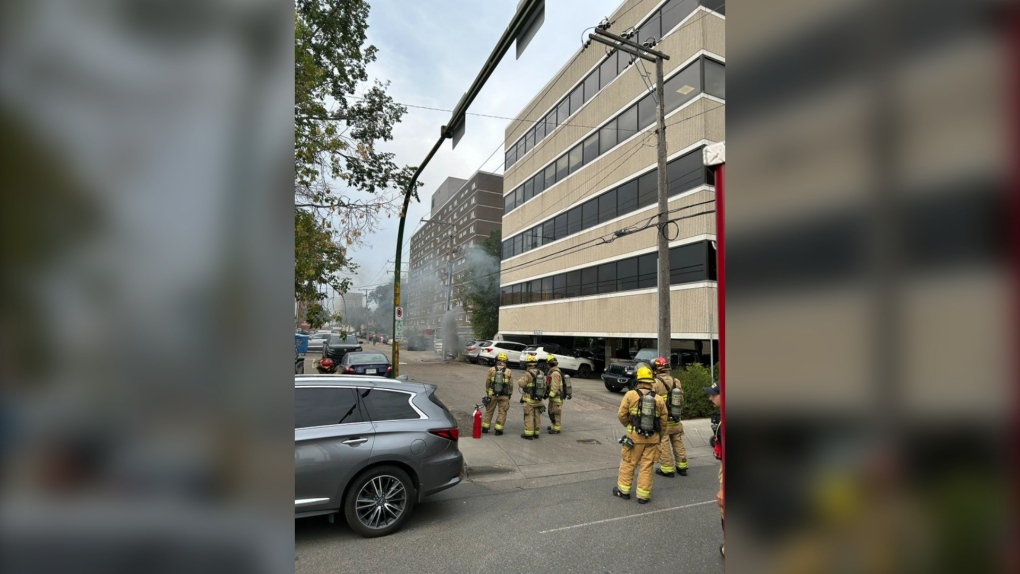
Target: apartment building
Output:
[
  {"x": 580, "y": 189},
  {"x": 463, "y": 214}
]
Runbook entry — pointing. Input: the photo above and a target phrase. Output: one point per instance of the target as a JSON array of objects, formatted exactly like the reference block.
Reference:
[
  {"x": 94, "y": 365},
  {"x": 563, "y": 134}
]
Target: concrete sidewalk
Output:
[{"x": 566, "y": 457}]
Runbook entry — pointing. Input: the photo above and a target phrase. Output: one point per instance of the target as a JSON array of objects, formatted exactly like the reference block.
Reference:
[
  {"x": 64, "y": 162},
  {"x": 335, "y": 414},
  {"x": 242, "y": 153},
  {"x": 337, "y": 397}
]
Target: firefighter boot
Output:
[
  {"x": 623, "y": 495},
  {"x": 659, "y": 472}
]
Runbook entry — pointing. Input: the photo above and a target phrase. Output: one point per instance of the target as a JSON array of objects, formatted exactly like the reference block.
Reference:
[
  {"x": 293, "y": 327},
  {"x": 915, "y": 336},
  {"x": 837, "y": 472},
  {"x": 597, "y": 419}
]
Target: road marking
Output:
[{"x": 630, "y": 516}]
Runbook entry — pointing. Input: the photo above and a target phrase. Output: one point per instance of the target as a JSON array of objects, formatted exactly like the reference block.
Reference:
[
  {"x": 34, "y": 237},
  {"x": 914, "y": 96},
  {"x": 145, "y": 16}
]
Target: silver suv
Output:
[{"x": 370, "y": 448}]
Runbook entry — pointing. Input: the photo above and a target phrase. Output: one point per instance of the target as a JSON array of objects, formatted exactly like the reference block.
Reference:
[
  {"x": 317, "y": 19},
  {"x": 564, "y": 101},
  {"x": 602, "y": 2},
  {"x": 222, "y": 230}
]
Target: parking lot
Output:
[{"x": 546, "y": 503}]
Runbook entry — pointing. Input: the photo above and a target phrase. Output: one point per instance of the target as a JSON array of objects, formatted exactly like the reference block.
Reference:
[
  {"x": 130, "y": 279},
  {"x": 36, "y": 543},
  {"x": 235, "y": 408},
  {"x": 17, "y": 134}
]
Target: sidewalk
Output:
[{"x": 493, "y": 459}]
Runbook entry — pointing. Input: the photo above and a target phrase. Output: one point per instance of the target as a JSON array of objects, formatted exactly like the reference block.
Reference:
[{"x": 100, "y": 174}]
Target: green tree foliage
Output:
[
  {"x": 693, "y": 379},
  {"x": 341, "y": 177},
  {"x": 477, "y": 287},
  {"x": 319, "y": 261}
]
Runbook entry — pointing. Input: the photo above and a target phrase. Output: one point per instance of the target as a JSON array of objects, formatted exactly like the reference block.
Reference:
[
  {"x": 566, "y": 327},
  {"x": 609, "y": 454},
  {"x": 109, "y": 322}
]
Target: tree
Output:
[
  {"x": 382, "y": 315},
  {"x": 318, "y": 262},
  {"x": 478, "y": 286},
  {"x": 342, "y": 180}
]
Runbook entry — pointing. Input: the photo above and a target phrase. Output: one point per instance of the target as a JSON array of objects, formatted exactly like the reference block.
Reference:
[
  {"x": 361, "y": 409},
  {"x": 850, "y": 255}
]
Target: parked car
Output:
[
  {"x": 317, "y": 340},
  {"x": 568, "y": 360},
  {"x": 336, "y": 347},
  {"x": 366, "y": 363},
  {"x": 597, "y": 358},
  {"x": 415, "y": 343},
  {"x": 487, "y": 355},
  {"x": 620, "y": 374},
  {"x": 473, "y": 348},
  {"x": 370, "y": 448}
]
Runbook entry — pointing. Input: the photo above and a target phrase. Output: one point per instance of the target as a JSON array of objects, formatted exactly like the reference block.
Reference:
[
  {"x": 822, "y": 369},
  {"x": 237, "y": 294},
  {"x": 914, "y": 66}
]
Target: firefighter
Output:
[
  {"x": 498, "y": 388},
  {"x": 644, "y": 415},
  {"x": 534, "y": 390},
  {"x": 672, "y": 454},
  {"x": 717, "y": 438},
  {"x": 557, "y": 392}
]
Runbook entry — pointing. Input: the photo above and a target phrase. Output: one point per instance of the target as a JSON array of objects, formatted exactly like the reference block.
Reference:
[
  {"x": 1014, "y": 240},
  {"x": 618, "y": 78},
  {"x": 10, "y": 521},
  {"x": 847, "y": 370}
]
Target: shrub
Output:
[{"x": 693, "y": 379}]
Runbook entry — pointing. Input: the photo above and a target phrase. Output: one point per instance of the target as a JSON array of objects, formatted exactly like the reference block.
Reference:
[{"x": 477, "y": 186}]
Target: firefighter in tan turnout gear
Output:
[
  {"x": 644, "y": 415},
  {"x": 534, "y": 390},
  {"x": 672, "y": 454},
  {"x": 559, "y": 389},
  {"x": 499, "y": 386}
]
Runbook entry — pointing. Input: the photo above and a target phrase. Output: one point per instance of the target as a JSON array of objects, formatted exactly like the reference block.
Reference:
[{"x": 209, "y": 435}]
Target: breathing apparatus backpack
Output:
[
  {"x": 541, "y": 390},
  {"x": 499, "y": 385},
  {"x": 568, "y": 392},
  {"x": 675, "y": 402},
  {"x": 646, "y": 423}
]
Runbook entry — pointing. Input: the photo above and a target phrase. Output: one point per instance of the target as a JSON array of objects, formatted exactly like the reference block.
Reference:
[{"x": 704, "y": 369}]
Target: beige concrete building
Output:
[
  {"x": 580, "y": 189},
  {"x": 464, "y": 213}
]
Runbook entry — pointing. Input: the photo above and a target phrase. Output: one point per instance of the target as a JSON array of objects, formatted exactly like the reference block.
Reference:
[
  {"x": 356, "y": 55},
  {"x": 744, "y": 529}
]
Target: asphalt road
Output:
[{"x": 553, "y": 511}]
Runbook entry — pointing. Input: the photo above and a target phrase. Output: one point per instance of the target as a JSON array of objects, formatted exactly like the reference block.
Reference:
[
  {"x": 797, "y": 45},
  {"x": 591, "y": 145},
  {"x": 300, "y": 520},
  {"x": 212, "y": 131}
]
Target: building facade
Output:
[
  {"x": 464, "y": 213},
  {"x": 580, "y": 190}
]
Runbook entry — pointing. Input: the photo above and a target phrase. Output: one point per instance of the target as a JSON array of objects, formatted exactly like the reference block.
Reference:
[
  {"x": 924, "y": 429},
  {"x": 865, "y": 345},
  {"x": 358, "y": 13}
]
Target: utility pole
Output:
[{"x": 646, "y": 52}]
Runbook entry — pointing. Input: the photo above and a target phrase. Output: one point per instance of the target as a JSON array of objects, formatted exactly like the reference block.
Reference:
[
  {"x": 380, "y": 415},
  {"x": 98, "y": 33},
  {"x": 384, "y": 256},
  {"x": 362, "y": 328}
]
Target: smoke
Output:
[{"x": 451, "y": 339}]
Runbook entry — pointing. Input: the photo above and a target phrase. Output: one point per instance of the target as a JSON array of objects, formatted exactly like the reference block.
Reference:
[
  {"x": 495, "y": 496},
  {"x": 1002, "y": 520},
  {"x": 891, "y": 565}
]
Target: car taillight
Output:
[
  {"x": 349, "y": 371},
  {"x": 389, "y": 371},
  {"x": 449, "y": 434},
  {"x": 490, "y": 349}
]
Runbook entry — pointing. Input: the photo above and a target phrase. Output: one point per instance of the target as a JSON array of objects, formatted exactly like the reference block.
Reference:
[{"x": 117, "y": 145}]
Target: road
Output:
[{"x": 535, "y": 506}]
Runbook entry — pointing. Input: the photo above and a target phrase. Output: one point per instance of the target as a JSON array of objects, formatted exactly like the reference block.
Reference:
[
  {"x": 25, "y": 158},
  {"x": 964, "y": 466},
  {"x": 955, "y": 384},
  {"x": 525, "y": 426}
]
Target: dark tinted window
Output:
[
  {"x": 687, "y": 263},
  {"x": 508, "y": 202},
  {"x": 674, "y": 11},
  {"x": 561, "y": 168},
  {"x": 607, "y": 71},
  {"x": 560, "y": 226},
  {"x": 607, "y": 137},
  {"x": 589, "y": 281},
  {"x": 626, "y": 198},
  {"x": 589, "y": 214},
  {"x": 550, "y": 175},
  {"x": 547, "y": 288},
  {"x": 683, "y": 87},
  {"x": 591, "y": 84},
  {"x": 517, "y": 294},
  {"x": 607, "y": 206},
  {"x": 529, "y": 140},
  {"x": 573, "y": 283},
  {"x": 539, "y": 130},
  {"x": 536, "y": 290},
  {"x": 366, "y": 359},
  {"x": 626, "y": 274},
  {"x": 576, "y": 98},
  {"x": 510, "y": 158},
  {"x": 715, "y": 5},
  {"x": 559, "y": 286},
  {"x": 646, "y": 112},
  {"x": 539, "y": 182},
  {"x": 650, "y": 30},
  {"x": 607, "y": 277},
  {"x": 575, "y": 158},
  {"x": 648, "y": 188},
  {"x": 627, "y": 123},
  {"x": 385, "y": 405},
  {"x": 519, "y": 244},
  {"x": 591, "y": 148},
  {"x": 647, "y": 271},
  {"x": 686, "y": 172},
  {"x": 548, "y": 232},
  {"x": 574, "y": 220},
  {"x": 321, "y": 407},
  {"x": 715, "y": 78},
  {"x": 529, "y": 190},
  {"x": 562, "y": 112}
]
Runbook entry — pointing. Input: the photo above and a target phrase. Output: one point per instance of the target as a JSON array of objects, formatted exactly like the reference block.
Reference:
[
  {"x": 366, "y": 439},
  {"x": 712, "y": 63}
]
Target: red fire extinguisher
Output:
[{"x": 476, "y": 432}]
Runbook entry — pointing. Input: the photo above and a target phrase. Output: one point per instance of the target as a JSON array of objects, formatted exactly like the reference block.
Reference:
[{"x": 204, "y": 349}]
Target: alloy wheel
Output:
[{"x": 381, "y": 501}]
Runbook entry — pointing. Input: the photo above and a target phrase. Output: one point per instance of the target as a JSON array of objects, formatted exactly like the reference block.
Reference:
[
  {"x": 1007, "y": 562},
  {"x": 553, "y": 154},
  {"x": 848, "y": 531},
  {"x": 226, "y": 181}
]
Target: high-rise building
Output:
[
  {"x": 580, "y": 189},
  {"x": 464, "y": 213}
]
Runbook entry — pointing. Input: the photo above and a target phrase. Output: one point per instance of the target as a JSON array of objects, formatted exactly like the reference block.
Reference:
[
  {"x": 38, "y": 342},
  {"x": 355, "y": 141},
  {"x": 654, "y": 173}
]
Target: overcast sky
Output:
[{"x": 431, "y": 51}]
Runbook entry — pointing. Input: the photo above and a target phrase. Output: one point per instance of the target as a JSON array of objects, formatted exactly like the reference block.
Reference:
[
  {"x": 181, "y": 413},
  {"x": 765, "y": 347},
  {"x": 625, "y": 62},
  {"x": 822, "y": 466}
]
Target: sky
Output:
[{"x": 430, "y": 51}]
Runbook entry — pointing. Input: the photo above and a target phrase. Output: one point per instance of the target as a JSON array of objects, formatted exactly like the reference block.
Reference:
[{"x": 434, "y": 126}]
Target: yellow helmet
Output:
[
  {"x": 531, "y": 359},
  {"x": 551, "y": 360},
  {"x": 501, "y": 357},
  {"x": 644, "y": 373}
]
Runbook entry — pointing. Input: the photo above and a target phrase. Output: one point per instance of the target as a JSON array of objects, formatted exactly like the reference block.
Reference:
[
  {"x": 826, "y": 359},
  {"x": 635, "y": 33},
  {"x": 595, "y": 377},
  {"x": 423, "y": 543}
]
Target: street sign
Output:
[
  {"x": 537, "y": 332},
  {"x": 399, "y": 331},
  {"x": 400, "y": 313}
]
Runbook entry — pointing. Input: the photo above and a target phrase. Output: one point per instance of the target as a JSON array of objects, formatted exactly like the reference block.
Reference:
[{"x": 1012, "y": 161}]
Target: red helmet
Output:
[
  {"x": 326, "y": 363},
  {"x": 661, "y": 363}
]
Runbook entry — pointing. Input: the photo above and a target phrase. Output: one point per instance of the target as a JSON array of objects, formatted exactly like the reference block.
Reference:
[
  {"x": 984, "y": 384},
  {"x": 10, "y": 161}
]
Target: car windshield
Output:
[
  {"x": 531, "y": 349},
  {"x": 337, "y": 340},
  {"x": 368, "y": 359},
  {"x": 646, "y": 355}
]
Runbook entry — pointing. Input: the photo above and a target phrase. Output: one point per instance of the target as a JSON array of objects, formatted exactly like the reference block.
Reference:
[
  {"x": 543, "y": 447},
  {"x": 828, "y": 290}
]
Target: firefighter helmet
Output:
[
  {"x": 501, "y": 357},
  {"x": 644, "y": 373},
  {"x": 661, "y": 364},
  {"x": 531, "y": 359},
  {"x": 552, "y": 360}
]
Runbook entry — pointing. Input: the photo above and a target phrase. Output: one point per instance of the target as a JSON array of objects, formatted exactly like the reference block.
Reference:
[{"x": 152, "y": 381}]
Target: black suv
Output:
[{"x": 337, "y": 346}]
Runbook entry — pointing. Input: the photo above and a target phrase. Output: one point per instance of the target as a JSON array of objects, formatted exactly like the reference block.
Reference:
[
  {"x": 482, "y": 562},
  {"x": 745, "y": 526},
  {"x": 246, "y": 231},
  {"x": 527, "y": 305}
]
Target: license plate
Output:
[{"x": 370, "y": 371}]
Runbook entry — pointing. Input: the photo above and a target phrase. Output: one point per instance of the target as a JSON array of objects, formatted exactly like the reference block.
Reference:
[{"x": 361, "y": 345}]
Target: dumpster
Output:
[{"x": 301, "y": 343}]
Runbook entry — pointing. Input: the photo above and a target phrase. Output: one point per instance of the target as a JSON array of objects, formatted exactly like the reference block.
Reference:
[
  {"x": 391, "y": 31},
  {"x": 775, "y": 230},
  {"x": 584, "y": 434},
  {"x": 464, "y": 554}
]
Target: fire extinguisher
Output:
[{"x": 476, "y": 432}]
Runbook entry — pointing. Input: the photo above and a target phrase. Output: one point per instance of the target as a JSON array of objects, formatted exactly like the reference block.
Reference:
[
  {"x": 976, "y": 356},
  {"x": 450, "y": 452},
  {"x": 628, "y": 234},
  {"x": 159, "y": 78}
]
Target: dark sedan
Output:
[
  {"x": 337, "y": 346},
  {"x": 366, "y": 364}
]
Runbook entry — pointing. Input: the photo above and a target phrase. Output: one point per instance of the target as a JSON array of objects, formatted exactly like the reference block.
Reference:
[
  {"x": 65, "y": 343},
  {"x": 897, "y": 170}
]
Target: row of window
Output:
[
  {"x": 679, "y": 89},
  {"x": 687, "y": 264},
  {"x": 683, "y": 173},
  {"x": 661, "y": 22},
  {"x": 316, "y": 407}
]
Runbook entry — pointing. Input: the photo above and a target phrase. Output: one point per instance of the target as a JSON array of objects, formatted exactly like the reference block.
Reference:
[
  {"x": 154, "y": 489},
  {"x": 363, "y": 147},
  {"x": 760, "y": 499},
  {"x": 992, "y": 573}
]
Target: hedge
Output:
[{"x": 693, "y": 379}]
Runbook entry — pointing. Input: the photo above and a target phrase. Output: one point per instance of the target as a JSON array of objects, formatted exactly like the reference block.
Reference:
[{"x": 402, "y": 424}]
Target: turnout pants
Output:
[
  {"x": 532, "y": 417},
  {"x": 641, "y": 457},
  {"x": 503, "y": 403},
  {"x": 556, "y": 413},
  {"x": 672, "y": 453}
]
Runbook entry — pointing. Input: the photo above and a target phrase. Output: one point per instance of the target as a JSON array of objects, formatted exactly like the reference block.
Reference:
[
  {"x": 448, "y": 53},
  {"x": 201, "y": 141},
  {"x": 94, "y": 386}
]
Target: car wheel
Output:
[
  {"x": 611, "y": 388},
  {"x": 379, "y": 501},
  {"x": 584, "y": 371}
]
